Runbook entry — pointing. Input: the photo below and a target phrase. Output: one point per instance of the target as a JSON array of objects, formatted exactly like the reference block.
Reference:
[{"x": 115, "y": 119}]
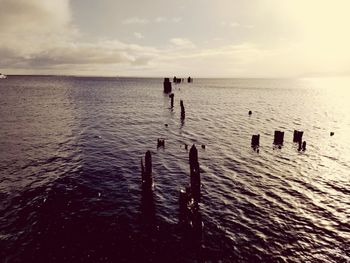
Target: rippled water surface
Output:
[{"x": 70, "y": 150}]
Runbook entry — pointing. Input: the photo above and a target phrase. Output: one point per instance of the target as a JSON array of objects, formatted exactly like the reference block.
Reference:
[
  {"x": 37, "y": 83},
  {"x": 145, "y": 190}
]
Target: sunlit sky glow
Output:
[{"x": 201, "y": 38}]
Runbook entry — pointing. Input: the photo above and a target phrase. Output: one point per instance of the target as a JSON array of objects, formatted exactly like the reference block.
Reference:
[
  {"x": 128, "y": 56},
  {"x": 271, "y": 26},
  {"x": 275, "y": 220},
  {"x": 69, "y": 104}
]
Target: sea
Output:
[{"x": 70, "y": 173}]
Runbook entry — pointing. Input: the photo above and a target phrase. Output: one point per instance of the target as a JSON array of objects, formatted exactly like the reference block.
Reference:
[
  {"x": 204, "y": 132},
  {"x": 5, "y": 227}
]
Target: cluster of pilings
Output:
[
  {"x": 188, "y": 198},
  {"x": 177, "y": 80},
  {"x": 278, "y": 140},
  {"x": 167, "y": 83}
]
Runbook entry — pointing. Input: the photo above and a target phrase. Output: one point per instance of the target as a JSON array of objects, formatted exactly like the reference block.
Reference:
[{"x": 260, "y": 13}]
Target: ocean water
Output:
[{"x": 70, "y": 150}]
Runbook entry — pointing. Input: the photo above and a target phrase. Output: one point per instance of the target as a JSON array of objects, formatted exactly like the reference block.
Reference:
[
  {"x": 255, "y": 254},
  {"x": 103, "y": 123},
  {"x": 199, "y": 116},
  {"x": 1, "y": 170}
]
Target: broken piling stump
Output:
[
  {"x": 195, "y": 174},
  {"x": 250, "y": 112},
  {"x": 298, "y": 136},
  {"x": 146, "y": 170},
  {"x": 189, "y": 80},
  {"x": 278, "y": 138},
  {"x": 160, "y": 143},
  {"x": 167, "y": 85},
  {"x": 304, "y": 146},
  {"x": 331, "y": 134},
  {"x": 171, "y": 96},
  {"x": 255, "y": 141},
  {"x": 182, "y": 110}
]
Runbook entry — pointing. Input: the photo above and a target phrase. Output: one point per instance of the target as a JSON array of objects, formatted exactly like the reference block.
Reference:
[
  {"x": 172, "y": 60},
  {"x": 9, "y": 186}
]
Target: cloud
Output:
[
  {"x": 135, "y": 20},
  {"x": 183, "y": 43},
  {"x": 176, "y": 19},
  {"x": 39, "y": 34},
  {"x": 235, "y": 25},
  {"x": 162, "y": 19},
  {"x": 138, "y": 35}
]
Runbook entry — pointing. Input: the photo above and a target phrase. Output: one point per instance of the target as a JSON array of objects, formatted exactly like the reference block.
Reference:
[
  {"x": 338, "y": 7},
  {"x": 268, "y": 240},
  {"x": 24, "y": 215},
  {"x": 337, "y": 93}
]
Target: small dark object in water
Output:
[
  {"x": 203, "y": 146},
  {"x": 278, "y": 138},
  {"x": 195, "y": 174},
  {"x": 182, "y": 109},
  {"x": 174, "y": 79},
  {"x": 146, "y": 171},
  {"x": 166, "y": 125},
  {"x": 304, "y": 146},
  {"x": 186, "y": 146},
  {"x": 250, "y": 112},
  {"x": 256, "y": 140},
  {"x": 160, "y": 143},
  {"x": 171, "y": 96},
  {"x": 189, "y": 80},
  {"x": 298, "y": 136},
  {"x": 167, "y": 85},
  {"x": 331, "y": 134}
]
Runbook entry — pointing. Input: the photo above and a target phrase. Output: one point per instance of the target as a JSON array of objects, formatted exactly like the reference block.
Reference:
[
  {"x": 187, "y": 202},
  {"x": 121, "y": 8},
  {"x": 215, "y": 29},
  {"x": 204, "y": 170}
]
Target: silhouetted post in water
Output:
[
  {"x": 182, "y": 110},
  {"x": 298, "y": 136},
  {"x": 167, "y": 85},
  {"x": 174, "y": 79},
  {"x": 331, "y": 134},
  {"x": 189, "y": 80},
  {"x": 146, "y": 171},
  {"x": 160, "y": 143},
  {"x": 171, "y": 96},
  {"x": 278, "y": 139},
  {"x": 250, "y": 112},
  {"x": 255, "y": 141},
  {"x": 194, "y": 174},
  {"x": 300, "y": 145},
  {"x": 304, "y": 146}
]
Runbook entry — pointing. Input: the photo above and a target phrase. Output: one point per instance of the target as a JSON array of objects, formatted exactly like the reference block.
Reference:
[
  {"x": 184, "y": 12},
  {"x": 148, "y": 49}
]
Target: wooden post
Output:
[
  {"x": 255, "y": 141},
  {"x": 297, "y": 136},
  {"x": 160, "y": 143},
  {"x": 195, "y": 174},
  {"x": 278, "y": 139},
  {"x": 167, "y": 85},
  {"x": 304, "y": 146},
  {"x": 146, "y": 171},
  {"x": 171, "y": 96},
  {"x": 182, "y": 110}
]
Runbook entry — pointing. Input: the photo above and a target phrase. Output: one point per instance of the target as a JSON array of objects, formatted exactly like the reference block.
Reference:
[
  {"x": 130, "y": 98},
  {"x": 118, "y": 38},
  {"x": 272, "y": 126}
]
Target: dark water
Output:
[{"x": 70, "y": 153}]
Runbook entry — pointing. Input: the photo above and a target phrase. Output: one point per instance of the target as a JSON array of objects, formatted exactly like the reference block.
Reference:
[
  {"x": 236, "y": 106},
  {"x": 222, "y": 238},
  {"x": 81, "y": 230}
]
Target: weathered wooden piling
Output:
[
  {"x": 331, "y": 134},
  {"x": 278, "y": 138},
  {"x": 174, "y": 79},
  {"x": 171, "y": 96},
  {"x": 255, "y": 141},
  {"x": 250, "y": 112},
  {"x": 167, "y": 85},
  {"x": 182, "y": 110},
  {"x": 304, "y": 146},
  {"x": 189, "y": 80},
  {"x": 300, "y": 145},
  {"x": 298, "y": 136},
  {"x": 160, "y": 143},
  {"x": 146, "y": 171},
  {"x": 195, "y": 174}
]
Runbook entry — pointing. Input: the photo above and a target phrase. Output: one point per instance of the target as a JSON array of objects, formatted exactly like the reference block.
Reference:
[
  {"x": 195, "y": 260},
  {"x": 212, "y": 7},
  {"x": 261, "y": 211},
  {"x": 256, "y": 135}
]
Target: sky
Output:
[{"x": 156, "y": 38}]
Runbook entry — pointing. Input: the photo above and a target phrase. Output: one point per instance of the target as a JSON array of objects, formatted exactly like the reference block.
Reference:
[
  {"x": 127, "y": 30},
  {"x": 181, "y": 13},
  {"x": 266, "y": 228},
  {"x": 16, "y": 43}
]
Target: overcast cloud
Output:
[{"x": 267, "y": 38}]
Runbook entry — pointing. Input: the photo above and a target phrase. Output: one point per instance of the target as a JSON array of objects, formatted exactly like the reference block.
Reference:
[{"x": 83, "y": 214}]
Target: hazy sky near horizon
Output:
[{"x": 201, "y": 38}]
